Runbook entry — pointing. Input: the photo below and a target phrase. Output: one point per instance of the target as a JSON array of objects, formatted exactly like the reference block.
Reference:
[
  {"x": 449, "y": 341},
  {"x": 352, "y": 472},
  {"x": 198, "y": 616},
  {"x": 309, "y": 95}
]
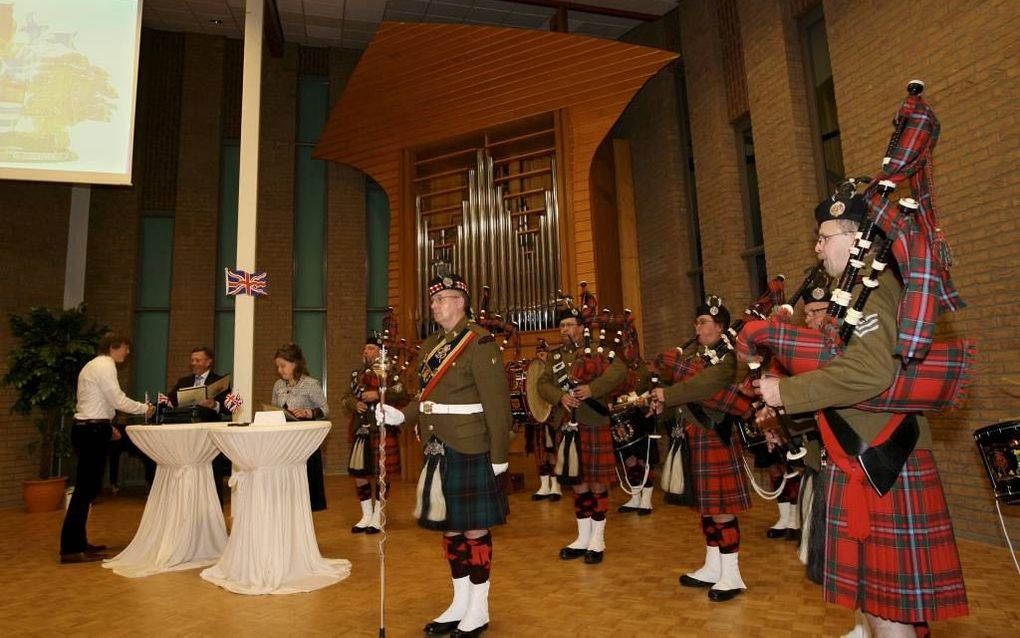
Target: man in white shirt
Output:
[{"x": 99, "y": 399}]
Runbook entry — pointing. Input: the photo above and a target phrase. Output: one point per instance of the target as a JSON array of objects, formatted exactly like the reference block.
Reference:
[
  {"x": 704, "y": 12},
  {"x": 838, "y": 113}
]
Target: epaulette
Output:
[{"x": 478, "y": 330}]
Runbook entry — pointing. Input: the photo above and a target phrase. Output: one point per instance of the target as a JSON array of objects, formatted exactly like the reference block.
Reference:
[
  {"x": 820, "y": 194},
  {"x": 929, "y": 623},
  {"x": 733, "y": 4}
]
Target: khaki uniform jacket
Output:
[
  {"x": 600, "y": 387},
  {"x": 865, "y": 370},
  {"x": 396, "y": 394},
  {"x": 703, "y": 385},
  {"x": 475, "y": 376}
]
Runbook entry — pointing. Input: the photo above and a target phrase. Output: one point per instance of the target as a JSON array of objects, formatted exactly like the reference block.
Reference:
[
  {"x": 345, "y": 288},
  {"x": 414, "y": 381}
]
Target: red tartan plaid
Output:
[
  {"x": 719, "y": 483},
  {"x": 938, "y": 382},
  {"x": 598, "y": 461},
  {"x": 392, "y": 450},
  {"x": 920, "y": 247},
  {"x": 671, "y": 366},
  {"x": 908, "y": 569}
]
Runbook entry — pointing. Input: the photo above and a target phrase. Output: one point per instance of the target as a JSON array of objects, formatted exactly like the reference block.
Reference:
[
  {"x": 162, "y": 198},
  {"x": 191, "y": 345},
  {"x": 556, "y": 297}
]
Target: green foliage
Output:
[{"x": 53, "y": 346}]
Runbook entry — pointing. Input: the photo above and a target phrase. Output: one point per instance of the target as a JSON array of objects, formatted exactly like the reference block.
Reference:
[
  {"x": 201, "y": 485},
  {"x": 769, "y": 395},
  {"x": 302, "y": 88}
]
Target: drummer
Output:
[{"x": 541, "y": 435}]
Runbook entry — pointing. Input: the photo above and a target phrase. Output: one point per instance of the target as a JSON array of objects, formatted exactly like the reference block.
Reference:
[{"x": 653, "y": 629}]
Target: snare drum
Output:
[
  {"x": 516, "y": 373},
  {"x": 999, "y": 445}
]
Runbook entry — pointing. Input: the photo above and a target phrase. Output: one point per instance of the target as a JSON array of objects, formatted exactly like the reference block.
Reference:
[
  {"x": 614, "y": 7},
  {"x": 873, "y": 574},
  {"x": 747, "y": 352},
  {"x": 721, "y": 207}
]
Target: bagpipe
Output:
[
  {"x": 676, "y": 366},
  {"x": 933, "y": 376}
]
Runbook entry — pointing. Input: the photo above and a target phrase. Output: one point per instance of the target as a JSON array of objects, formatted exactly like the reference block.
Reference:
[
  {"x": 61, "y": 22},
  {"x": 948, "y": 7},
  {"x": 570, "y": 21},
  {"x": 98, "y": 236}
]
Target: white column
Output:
[
  {"x": 77, "y": 246},
  {"x": 247, "y": 200}
]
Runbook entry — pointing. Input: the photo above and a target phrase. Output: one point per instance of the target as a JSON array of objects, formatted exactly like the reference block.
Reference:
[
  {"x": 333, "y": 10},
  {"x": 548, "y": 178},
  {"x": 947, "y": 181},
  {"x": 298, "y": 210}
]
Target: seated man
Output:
[{"x": 202, "y": 374}]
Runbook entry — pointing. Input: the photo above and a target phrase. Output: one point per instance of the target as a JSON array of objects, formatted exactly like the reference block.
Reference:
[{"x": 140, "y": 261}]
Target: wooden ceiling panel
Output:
[{"x": 421, "y": 84}]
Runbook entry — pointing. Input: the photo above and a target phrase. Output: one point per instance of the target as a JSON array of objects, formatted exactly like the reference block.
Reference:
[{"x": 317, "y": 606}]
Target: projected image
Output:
[{"x": 67, "y": 77}]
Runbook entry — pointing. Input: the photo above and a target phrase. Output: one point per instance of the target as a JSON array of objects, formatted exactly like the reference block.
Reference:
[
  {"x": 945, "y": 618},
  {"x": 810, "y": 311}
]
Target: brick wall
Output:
[
  {"x": 659, "y": 165},
  {"x": 195, "y": 280},
  {"x": 967, "y": 54},
  {"x": 718, "y": 171},
  {"x": 784, "y": 156},
  {"x": 345, "y": 271},
  {"x": 33, "y": 242}
]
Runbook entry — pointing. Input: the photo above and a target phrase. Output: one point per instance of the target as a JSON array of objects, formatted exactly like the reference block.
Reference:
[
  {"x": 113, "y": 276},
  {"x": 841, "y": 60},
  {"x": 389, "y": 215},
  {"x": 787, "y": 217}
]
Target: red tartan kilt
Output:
[
  {"x": 908, "y": 569},
  {"x": 392, "y": 453},
  {"x": 719, "y": 483},
  {"x": 598, "y": 461}
]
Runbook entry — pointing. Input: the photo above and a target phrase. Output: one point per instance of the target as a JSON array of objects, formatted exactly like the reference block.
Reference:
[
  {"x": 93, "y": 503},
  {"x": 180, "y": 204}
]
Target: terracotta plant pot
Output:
[{"x": 46, "y": 495}]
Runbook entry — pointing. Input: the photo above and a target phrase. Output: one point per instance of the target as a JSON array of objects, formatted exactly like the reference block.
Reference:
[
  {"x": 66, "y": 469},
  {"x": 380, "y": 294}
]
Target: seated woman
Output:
[{"x": 302, "y": 396}]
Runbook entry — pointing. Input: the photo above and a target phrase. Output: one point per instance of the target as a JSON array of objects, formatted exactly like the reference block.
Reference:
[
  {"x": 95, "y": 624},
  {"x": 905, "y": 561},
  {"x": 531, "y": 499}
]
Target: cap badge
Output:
[{"x": 837, "y": 208}]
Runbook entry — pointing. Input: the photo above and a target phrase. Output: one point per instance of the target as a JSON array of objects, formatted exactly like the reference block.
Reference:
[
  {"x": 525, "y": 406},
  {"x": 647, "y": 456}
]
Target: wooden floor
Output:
[{"x": 633, "y": 593}]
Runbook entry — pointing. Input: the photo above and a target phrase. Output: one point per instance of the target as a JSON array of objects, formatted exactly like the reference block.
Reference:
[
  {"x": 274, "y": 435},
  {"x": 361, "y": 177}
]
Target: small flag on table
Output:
[
  {"x": 233, "y": 401},
  {"x": 240, "y": 282}
]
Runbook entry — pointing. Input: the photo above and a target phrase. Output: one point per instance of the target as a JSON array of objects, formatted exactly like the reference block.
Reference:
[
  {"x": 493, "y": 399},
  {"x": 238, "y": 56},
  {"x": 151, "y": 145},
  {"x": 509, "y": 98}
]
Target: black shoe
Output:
[
  {"x": 80, "y": 557},
  {"x": 722, "y": 595},
  {"x": 626, "y": 509},
  {"x": 775, "y": 532},
  {"x": 592, "y": 557},
  {"x": 92, "y": 549},
  {"x": 440, "y": 628},
  {"x": 569, "y": 553},
  {"x": 793, "y": 535},
  {"x": 554, "y": 497},
  {"x": 372, "y": 530},
  {"x": 540, "y": 497},
  {"x": 477, "y": 631},
  {"x": 644, "y": 511},
  {"x": 689, "y": 581}
]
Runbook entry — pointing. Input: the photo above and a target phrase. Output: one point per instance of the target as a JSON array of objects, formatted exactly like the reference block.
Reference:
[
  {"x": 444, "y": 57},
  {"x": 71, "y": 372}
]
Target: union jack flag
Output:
[
  {"x": 162, "y": 399},
  {"x": 240, "y": 282},
  {"x": 233, "y": 401}
]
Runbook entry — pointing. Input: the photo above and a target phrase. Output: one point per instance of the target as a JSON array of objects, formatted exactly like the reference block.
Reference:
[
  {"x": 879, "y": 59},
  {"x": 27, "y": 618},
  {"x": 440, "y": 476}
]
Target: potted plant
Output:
[{"x": 53, "y": 346}]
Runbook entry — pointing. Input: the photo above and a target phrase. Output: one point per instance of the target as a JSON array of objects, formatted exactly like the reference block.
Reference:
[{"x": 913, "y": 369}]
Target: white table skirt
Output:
[
  {"x": 272, "y": 547},
  {"x": 182, "y": 525}
]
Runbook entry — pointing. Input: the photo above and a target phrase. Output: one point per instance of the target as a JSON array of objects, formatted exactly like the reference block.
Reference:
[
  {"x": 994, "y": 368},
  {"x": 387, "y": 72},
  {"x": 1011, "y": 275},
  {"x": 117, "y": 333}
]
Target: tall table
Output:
[
  {"x": 182, "y": 525},
  {"x": 272, "y": 547}
]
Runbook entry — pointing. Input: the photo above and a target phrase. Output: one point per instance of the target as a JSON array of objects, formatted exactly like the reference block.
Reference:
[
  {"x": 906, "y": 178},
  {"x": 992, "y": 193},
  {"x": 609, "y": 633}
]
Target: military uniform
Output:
[
  {"x": 911, "y": 537},
  {"x": 363, "y": 435},
  {"x": 720, "y": 488},
  {"x": 463, "y": 413},
  {"x": 597, "y": 462}
]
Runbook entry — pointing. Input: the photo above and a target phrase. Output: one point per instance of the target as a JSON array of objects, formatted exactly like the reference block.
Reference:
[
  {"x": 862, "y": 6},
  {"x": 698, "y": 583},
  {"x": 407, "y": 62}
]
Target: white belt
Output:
[{"x": 429, "y": 407}]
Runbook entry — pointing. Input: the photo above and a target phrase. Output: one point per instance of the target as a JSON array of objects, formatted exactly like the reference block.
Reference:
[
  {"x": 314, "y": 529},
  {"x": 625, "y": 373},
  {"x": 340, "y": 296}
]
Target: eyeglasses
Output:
[
  {"x": 442, "y": 297},
  {"x": 702, "y": 322},
  {"x": 822, "y": 238}
]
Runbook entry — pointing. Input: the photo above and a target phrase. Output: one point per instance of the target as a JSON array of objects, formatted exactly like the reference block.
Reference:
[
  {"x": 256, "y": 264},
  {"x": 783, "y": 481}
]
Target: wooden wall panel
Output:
[{"x": 467, "y": 78}]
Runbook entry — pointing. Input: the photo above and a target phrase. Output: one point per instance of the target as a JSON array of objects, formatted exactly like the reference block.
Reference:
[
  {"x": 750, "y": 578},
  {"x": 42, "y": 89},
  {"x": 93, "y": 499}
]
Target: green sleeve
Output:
[
  {"x": 703, "y": 385},
  {"x": 547, "y": 386},
  {"x": 490, "y": 380},
  {"x": 867, "y": 366}
]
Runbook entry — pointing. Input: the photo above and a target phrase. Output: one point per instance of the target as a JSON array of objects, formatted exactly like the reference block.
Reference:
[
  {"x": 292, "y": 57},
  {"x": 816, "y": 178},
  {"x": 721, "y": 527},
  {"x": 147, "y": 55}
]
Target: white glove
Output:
[
  {"x": 499, "y": 468},
  {"x": 388, "y": 415}
]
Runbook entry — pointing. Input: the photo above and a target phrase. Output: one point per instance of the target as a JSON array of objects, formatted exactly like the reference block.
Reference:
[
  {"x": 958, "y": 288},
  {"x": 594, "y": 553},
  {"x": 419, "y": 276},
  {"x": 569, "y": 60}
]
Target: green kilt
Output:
[{"x": 474, "y": 498}]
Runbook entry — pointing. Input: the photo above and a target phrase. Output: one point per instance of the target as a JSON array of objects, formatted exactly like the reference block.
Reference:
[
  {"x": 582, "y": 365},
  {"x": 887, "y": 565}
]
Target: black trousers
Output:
[
  {"x": 91, "y": 444},
  {"x": 316, "y": 482}
]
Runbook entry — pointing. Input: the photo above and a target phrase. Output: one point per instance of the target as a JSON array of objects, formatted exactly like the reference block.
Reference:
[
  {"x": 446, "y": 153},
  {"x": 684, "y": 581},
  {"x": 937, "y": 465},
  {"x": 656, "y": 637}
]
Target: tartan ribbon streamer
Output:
[
  {"x": 938, "y": 382},
  {"x": 919, "y": 245}
]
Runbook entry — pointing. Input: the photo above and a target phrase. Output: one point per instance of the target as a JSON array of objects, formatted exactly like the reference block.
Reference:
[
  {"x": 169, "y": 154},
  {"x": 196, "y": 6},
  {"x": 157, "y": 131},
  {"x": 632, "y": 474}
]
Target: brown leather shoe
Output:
[
  {"x": 93, "y": 549},
  {"x": 80, "y": 557}
]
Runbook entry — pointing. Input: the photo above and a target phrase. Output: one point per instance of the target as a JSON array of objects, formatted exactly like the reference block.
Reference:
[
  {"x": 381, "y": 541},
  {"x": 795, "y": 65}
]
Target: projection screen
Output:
[{"x": 68, "y": 72}]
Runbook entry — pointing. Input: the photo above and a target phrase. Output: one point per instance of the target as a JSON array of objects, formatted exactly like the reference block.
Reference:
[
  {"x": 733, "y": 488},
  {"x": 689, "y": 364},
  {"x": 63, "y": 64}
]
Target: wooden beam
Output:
[
  {"x": 563, "y": 5},
  {"x": 272, "y": 29}
]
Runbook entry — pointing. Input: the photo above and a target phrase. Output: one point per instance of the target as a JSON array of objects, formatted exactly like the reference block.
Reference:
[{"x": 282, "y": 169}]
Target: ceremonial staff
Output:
[{"x": 381, "y": 367}]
